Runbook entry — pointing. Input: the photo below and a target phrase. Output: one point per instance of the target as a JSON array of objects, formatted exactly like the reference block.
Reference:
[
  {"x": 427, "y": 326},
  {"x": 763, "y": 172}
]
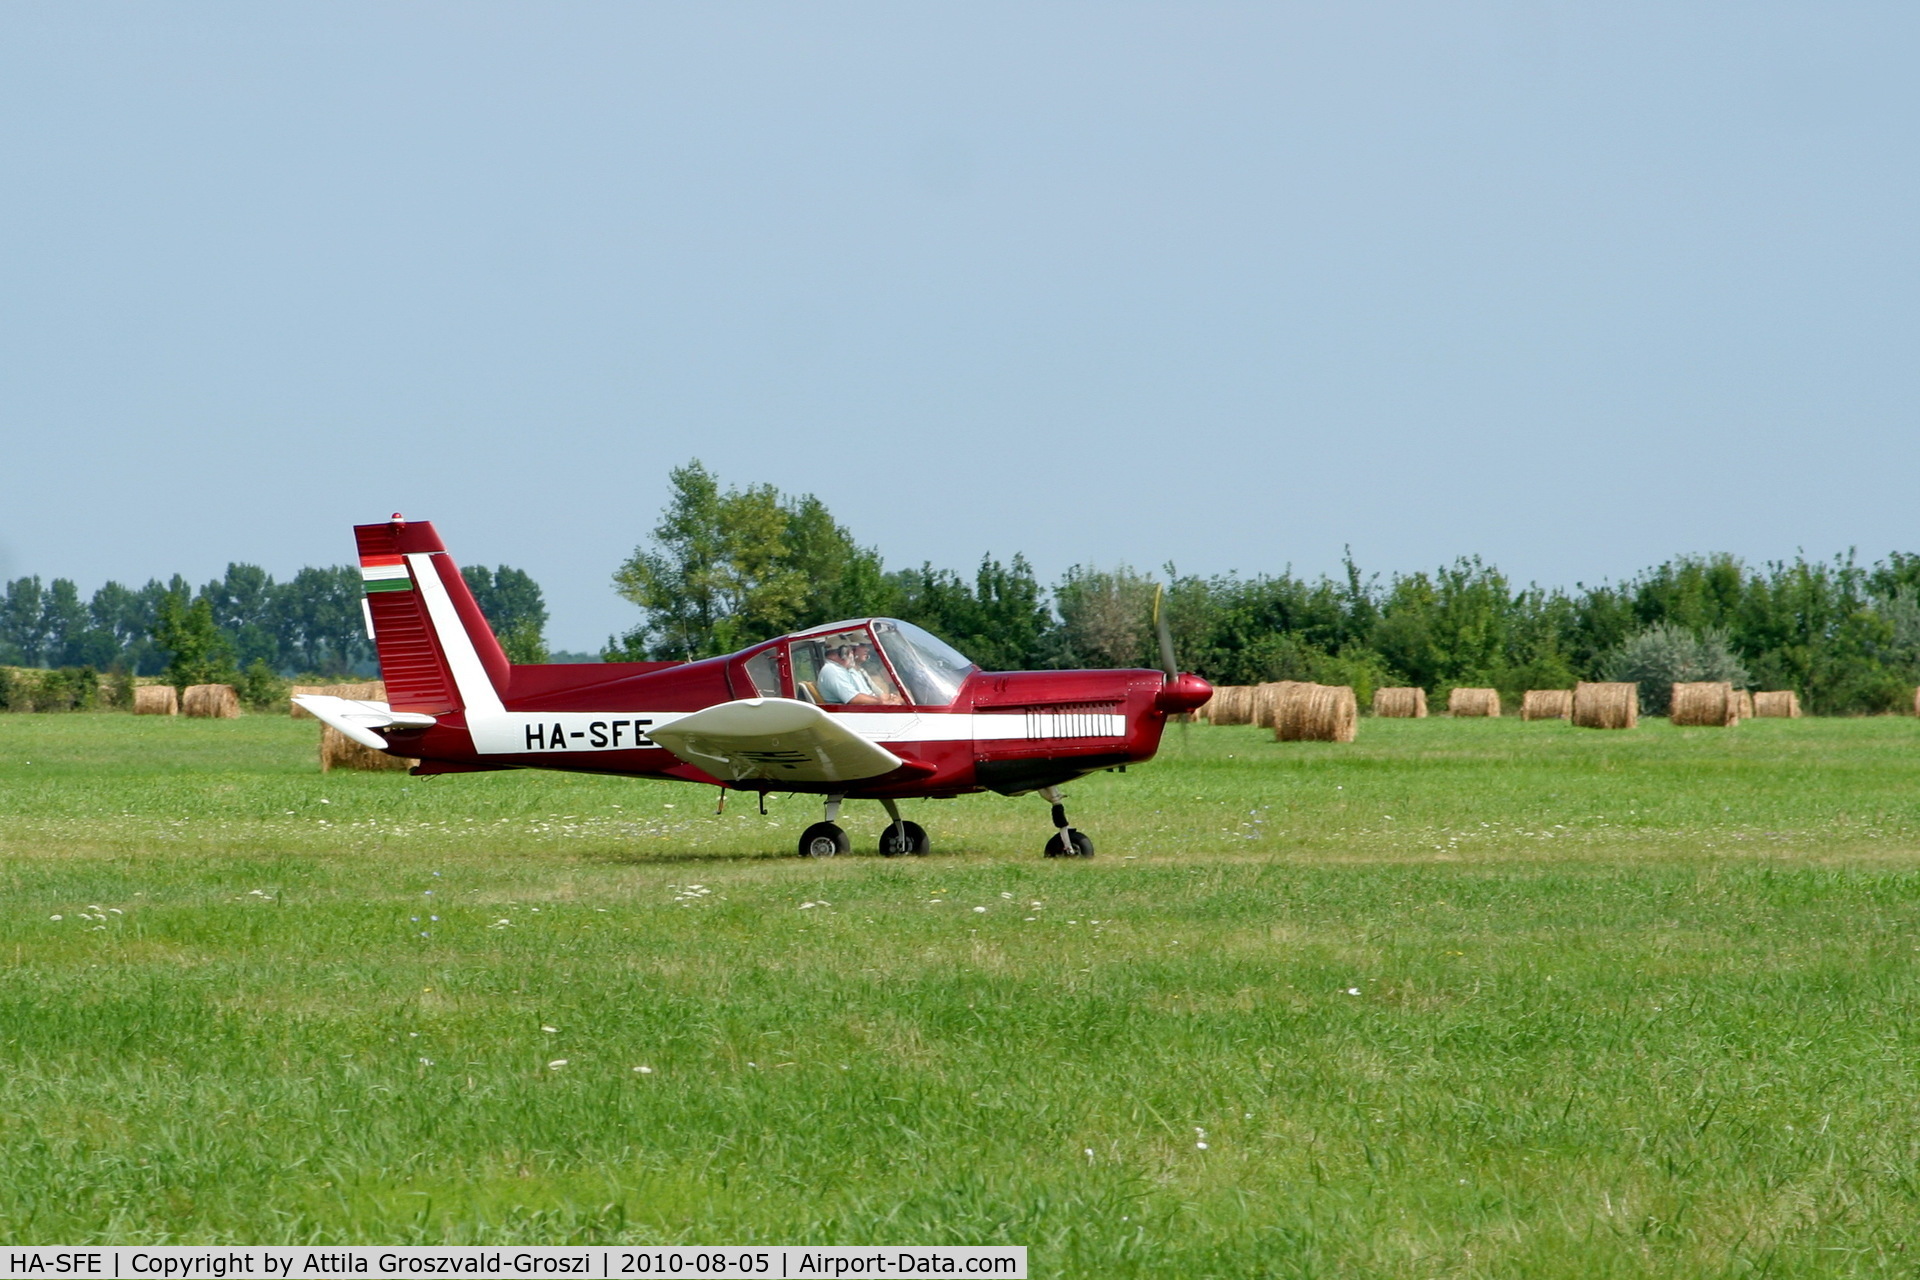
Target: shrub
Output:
[
  {"x": 1663, "y": 654},
  {"x": 260, "y": 688}
]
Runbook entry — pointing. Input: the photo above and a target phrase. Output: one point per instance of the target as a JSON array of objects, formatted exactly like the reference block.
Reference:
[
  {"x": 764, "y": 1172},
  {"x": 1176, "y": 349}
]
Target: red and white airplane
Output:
[{"x": 867, "y": 709}]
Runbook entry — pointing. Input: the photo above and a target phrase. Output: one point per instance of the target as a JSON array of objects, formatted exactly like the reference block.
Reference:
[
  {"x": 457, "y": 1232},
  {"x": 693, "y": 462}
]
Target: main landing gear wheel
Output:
[
  {"x": 892, "y": 846},
  {"x": 1058, "y": 845},
  {"x": 823, "y": 840}
]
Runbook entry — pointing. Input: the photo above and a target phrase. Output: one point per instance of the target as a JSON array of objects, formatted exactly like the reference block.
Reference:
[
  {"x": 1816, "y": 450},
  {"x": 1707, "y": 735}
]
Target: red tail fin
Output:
[{"x": 437, "y": 653}]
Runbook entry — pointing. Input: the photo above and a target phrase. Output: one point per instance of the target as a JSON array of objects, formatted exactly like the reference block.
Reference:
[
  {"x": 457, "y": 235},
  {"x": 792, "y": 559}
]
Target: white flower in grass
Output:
[
  {"x": 556, "y": 1064},
  {"x": 979, "y": 908},
  {"x": 645, "y": 1071},
  {"x": 54, "y": 917},
  {"x": 426, "y": 1062},
  {"x": 549, "y": 1030},
  {"x": 1353, "y": 991}
]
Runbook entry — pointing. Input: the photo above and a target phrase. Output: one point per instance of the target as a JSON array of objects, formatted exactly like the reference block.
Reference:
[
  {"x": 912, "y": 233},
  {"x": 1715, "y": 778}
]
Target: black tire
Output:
[
  {"x": 823, "y": 840},
  {"x": 916, "y": 842},
  {"x": 1082, "y": 846}
]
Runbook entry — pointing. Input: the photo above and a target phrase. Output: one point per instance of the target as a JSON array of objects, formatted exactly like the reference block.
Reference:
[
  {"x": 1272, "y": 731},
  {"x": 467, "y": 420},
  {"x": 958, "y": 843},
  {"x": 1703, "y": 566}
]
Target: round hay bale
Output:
[
  {"x": 1234, "y": 709},
  {"x": 1284, "y": 715},
  {"x": 366, "y": 691},
  {"x": 1473, "y": 702},
  {"x": 1745, "y": 698},
  {"x": 1777, "y": 704},
  {"x": 210, "y": 702},
  {"x": 338, "y": 751},
  {"x": 1547, "y": 704},
  {"x": 1606, "y": 704},
  {"x": 1400, "y": 704},
  {"x": 1305, "y": 712},
  {"x": 156, "y": 700},
  {"x": 1267, "y": 698},
  {"x": 1705, "y": 703}
]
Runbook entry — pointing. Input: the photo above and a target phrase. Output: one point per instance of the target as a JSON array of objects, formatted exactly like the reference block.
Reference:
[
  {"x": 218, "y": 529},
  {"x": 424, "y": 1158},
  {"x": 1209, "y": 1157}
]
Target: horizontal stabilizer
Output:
[
  {"x": 358, "y": 720},
  {"x": 774, "y": 740}
]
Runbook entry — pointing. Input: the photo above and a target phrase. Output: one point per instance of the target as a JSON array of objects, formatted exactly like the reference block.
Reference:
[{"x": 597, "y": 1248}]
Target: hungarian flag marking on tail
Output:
[{"x": 385, "y": 573}]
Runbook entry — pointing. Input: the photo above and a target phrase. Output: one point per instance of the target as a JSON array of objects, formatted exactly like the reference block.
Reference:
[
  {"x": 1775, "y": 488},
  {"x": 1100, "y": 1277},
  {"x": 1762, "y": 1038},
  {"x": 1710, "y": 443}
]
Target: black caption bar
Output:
[{"x": 631, "y": 1262}]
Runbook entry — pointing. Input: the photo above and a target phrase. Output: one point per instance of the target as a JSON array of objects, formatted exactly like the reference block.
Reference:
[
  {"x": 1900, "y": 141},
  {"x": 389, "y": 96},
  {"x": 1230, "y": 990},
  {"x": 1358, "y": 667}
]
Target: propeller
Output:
[
  {"x": 1181, "y": 692},
  {"x": 1165, "y": 633}
]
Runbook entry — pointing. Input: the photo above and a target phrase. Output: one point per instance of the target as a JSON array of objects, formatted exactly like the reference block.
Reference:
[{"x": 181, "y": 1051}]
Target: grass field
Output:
[{"x": 1461, "y": 999}]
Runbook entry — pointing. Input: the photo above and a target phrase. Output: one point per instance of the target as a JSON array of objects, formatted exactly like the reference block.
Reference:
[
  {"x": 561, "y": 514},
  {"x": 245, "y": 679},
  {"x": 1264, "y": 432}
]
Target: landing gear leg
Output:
[
  {"x": 1066, "y": 842},
  {"x": 825, "y": 839},
  {"x": 901, "y": 837}
]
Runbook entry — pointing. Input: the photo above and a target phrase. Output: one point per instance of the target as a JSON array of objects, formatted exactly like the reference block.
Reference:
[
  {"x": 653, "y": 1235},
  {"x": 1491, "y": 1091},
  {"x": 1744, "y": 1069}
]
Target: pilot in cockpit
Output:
[{"x": 843, "y": 683}]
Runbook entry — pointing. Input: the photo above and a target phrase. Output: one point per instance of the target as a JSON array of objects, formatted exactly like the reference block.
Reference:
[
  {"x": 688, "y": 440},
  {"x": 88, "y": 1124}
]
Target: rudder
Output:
[{"x": 437, "y": 653}]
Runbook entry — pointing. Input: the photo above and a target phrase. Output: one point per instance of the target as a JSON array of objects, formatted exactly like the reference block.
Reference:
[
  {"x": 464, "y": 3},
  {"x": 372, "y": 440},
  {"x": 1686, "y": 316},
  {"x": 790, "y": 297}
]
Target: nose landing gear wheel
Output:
[
  {"x": 891, "y": 846},
  {"x": 823, "y": 840},
  {"x": 1058, "y": 846}
]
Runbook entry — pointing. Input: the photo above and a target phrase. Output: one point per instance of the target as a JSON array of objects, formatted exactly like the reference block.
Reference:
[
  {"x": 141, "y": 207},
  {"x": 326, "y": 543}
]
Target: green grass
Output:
[{"x": 1628, "y": 1004}]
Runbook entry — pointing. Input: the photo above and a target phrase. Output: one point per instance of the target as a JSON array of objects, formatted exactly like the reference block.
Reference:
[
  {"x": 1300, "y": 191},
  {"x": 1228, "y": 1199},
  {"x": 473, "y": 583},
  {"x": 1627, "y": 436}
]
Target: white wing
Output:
[{"x": 774, "y": 740}]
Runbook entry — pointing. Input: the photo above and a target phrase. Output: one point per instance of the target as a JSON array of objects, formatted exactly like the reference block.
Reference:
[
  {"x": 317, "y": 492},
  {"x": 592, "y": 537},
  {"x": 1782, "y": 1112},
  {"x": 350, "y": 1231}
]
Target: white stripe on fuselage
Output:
[{"x": 534, "y": 733}]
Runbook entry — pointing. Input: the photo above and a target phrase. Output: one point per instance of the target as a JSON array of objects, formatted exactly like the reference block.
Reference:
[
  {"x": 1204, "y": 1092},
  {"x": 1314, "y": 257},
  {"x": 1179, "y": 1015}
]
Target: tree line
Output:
[
  {"x": 310, "y": 624},
  {"x": 729, "y": 566}
]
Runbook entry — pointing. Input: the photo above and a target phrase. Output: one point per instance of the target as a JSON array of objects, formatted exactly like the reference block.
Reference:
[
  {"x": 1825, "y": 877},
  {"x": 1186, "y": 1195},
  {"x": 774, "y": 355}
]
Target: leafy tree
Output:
[
  {"x": 1000, "y": 619},
  {"x": 514, "y": 608},
  {"x": 64, "y": 627},
  {"x": 841, "y": 579},
  {"x": 243, "y": 608},
  {"x": 199, "y": 652},
  {"x": 23, "y": 622},
  {"x": 728, "y": 568},
  {"x": 1106, "y": 616},
  {"x": 128, "y": 616},
  {"x": 319, "y": 619},
  {"x": 1665, "y": 654}
]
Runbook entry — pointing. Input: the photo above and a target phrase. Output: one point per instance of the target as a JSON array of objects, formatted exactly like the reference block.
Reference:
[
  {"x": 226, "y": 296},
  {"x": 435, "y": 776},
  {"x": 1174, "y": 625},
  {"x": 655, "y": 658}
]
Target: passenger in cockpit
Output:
[{"x": 842, "y": 683}]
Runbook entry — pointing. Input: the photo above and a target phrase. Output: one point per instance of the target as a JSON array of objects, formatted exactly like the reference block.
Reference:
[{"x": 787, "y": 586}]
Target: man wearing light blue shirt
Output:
[{"x": 843, "y": 684}]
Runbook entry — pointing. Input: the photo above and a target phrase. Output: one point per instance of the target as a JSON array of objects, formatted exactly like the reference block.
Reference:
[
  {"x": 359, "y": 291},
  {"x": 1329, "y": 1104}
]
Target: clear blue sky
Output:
[{"x": 1571, "y": 286}]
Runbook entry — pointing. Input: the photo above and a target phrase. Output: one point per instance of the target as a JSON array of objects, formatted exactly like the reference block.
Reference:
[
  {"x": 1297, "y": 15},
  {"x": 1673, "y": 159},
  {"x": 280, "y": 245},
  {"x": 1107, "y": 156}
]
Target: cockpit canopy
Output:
[{"x": 865, "y": 662}]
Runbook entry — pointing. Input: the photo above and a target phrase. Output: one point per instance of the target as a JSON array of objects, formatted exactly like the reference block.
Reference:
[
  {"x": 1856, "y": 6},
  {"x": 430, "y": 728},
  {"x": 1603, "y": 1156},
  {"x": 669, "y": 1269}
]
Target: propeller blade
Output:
[{"x": 1165, "y": 633}]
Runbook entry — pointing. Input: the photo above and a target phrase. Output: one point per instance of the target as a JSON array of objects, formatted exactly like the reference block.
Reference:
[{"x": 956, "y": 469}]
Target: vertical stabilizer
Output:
[{"x": 437, "y": 653}]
